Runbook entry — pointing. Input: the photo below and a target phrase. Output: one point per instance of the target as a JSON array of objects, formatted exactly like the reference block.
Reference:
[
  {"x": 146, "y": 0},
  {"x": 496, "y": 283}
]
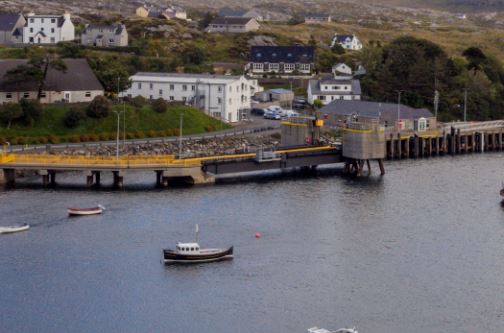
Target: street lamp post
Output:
[
  {"x": 180, "y": 134},
  {"x": 117, "y": 137}
]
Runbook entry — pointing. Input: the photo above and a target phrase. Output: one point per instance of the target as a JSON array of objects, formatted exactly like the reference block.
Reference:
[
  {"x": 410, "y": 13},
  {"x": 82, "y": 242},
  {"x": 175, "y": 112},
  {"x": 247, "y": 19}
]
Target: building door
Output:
[{"x": 67, "y": 97}]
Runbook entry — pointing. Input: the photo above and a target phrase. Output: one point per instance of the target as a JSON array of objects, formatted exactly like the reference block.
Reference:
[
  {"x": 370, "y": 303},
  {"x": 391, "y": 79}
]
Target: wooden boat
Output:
[
  {"x": 85, "y": 211},
  {"x": 14, "y": 228},
  {"x": 187, "y": 253}
]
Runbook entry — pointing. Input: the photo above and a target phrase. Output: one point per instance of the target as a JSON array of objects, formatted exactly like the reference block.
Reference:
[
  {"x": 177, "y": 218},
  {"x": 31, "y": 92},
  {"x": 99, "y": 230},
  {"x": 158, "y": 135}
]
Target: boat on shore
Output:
[
  {"x": 14, "y": 228},
  {"x": 188, "y": 253},
  {"x": 85, "y": 211}
]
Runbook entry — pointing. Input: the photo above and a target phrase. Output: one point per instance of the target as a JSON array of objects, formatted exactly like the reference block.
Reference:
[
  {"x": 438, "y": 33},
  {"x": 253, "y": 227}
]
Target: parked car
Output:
[
  {"x": 289, "y": 113},
  {"x": 272, "y": 115},
  {"x": 257, "y": 111}
]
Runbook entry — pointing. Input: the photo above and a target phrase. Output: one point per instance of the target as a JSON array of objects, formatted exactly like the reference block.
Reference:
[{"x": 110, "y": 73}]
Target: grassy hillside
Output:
[{"x": 140, "y": 122}]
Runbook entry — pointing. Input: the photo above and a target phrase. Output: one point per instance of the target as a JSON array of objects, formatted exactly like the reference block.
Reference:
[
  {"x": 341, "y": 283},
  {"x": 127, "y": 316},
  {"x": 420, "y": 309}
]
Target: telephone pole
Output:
[
  {"x": 436, "y": 103},
  {"x": 399, "y": 105},
  {"x": 180, "y": 134},
  {"x": 465, "y": 104}
]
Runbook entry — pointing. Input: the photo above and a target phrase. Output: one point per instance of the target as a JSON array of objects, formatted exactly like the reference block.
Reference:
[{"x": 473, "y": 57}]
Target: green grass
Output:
[
  {"x": 12, "y": 53},
  {"x": 138, "y": 120}
]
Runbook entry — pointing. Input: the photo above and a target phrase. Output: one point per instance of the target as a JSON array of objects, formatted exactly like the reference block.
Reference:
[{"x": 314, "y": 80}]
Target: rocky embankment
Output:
[{"x": 190, "y": 148}]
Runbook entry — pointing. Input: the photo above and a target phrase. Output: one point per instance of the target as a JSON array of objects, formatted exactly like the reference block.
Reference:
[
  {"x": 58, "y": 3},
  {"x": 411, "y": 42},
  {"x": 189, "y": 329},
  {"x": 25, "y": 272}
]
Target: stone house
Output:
[{"x": 105, "y": 35}]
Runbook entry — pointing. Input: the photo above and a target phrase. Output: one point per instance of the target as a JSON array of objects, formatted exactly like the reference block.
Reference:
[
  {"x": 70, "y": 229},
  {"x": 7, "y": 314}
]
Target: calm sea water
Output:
[{"x": 420, "y": 250}]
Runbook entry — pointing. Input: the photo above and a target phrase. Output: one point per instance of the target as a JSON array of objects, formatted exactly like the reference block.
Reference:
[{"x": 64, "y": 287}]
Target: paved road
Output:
[{"x": 257, "y": 126}]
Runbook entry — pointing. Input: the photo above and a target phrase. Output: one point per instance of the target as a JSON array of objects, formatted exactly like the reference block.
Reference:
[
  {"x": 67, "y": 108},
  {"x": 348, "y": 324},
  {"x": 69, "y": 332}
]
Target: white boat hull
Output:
[{"x": 14, "y": 229}]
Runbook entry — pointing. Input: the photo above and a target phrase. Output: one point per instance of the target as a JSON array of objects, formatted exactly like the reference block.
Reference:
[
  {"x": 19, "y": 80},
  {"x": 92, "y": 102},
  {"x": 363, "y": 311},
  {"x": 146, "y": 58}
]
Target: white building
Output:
[
  {"x": 48, "y": 29},
  {"x": 223, "y": 97},
  {"x": 105, "y": 35},
  {"x": 348, "y": 42},
  {"x": 339, "y": 86}
]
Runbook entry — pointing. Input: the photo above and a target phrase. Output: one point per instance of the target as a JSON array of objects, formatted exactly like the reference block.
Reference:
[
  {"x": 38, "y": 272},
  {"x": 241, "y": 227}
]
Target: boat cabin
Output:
[{"x": 188, "y": 248}]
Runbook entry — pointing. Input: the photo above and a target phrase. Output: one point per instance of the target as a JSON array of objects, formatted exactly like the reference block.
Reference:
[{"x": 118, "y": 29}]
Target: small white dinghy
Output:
[
  {"x": 323, "y": 330},
  {"x": 85, "y": 211},
  {"x": 14, "y": 228}
]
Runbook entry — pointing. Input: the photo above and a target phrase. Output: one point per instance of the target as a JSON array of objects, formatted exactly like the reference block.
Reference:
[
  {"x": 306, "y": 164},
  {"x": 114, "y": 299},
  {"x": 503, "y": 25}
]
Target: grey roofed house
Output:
[
  {"x": 285, "y": 54},
  {"x": 315, "y": 86},
  {"x": 343, "y": 38},
  {"x": 77, "y": 77},
  {"x": 11, "y": 28},
  {"x": 386, "y": 112},
  {"x": 231, "y": 20}
]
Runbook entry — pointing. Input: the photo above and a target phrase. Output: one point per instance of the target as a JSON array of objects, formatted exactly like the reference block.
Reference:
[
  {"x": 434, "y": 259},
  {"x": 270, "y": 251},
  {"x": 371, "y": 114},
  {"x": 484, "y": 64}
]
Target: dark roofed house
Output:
[
  {"x": 250, "y": 13},
  {"x": 76, "y": 84},
  {"x": 281, "y": 59},
  {"x": 317, "y": 18},
  {"x": 348, "y": 42},
  {"x": 11, "y": 28},
  {"x": 233, "y": 25},
  {"x": 387, "y": 113}
]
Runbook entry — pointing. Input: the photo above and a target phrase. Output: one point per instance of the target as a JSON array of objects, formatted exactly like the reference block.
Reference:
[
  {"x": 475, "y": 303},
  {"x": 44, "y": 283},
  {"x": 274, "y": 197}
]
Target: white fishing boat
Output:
[
  {"x": 14, "y": 228},
  {"x": 85, "y": 211}
]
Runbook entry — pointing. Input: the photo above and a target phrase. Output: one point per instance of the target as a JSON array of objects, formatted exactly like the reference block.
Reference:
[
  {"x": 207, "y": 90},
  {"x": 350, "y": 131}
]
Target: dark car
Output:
[{"x": 257, "y": 111}]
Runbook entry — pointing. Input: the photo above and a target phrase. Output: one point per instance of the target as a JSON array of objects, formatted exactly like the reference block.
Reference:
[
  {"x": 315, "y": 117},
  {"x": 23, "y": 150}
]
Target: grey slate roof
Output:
[
  {"x": 343, "y": 38},
  {"x": 315, "y": 87},
  {"x": 285, "y": 54},
  {"x": 228, "y": 12},
  {"x": 8, "y": 21},
  {"x": 231, "y": 20},
  {"x": 367, "y": 109},
  {"x": 78, "y": 77},
  {"x": 117, "y": 29}
]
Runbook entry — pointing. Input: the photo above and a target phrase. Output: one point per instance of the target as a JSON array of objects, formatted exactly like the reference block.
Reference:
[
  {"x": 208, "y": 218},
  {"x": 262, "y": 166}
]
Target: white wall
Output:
[{"x": 49, "y": 26}]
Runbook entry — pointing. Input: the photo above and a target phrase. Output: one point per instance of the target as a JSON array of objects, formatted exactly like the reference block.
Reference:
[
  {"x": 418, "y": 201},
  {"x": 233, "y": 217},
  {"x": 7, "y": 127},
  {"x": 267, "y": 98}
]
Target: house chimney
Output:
[
  {"x": 31, "y": 13},
  {"x": 66, "y": 15}
]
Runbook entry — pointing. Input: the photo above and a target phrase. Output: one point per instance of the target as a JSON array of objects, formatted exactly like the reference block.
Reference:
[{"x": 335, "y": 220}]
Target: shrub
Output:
[
  {"x": 175, "y": 131},
  {"x": 138, "y": 101},
  {"x": 14, "y": 141},
  {"x": 43, "y": 139},
  {"x": 160, "y": 133},
  {"x": 73, "y": 117},
  {"x": 3, "y": 140},
  {"x": 139, "y": 134},
  {"x": 103, "y": 136},
  {"x": 74, "y": 139},
  {"x": 151, "y": 134},
  {"x": 32, "y": 109},
  {"x": 111, "y": 136},
  {"x": 84, "y": 138},
  {"x": 100, "y": 107},
  {"x": 130, "y": 136},
  {"x": 54, "y": 139},
  {"x": 210, "y": 128},
  {"x": 93, "y": 137},
  {"x": 21, "y": 141},
  {"x": 160, "y": 105}
]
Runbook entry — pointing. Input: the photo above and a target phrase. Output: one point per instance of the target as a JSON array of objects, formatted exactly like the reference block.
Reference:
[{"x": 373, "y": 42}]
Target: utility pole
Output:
[
  {"x": 118, "y": 85},
  {"x": 436, "y": 103},
  {"x": 399, "y": 105},
  {"x": 180, "y": 134},
  {"x": 124, "y": 124},
  {"x": 117, "y": 138},
  {"x": 465, "y": 104}
]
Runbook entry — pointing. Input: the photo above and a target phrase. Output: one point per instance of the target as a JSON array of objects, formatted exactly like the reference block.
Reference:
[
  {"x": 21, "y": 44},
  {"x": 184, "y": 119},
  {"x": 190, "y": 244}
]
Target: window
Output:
[
  {"x": 43, "y": 94},
  {"x": 184, "y": 99},
  {"x": 172, "y": 98},
  {"x": 88, "y": 94},
  {"x": 32, "y": 20},
  {"x": 160, "y": 91},
  {"x": 42, "y": 20},
  {"x": 289, "y": 67},
  {"x": 219, "y": 89},
  {"x": 26, "y": 95},
  {"x": 42, "y": 29},
  {"x": 151, "y": 86},
  {"x": 193, "y": 87},
  {"x": 322, "y": 98},
  {"x": 304, "y": 67},
  {"x": 139, "y": 85},
  {"x": 219, "y": 100},
  {"x": 230, "y": 101},
  {"x": 53, "y": 20},
  {"x": 172, "y": 87},
  {"x": 257, "y": 66},
  {"x": 274, "y": 67},
  {"x": 230, "y": 89},
  {"x": 53, "y": 40},
  {"x": 150, "y": 97},
  {"x": 8, "y": 95},
  {"x": 31, "y": 29},
  {"x": 184, "y": 87},
  {"x": 31, "y": 39},
  {"x": 326, "y": 87}
]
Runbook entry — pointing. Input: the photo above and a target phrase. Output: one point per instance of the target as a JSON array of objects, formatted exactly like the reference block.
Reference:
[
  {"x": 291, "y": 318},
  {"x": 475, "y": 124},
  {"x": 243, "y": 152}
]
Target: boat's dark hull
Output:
[{"x": 171, "y": 256}]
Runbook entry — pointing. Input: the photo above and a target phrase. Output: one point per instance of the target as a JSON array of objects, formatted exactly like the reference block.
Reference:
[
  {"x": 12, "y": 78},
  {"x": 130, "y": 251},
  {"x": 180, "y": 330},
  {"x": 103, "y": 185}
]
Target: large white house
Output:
[
  {"x": 348, "y": 42},
  {"x": 339, "y": 86},
  {"x": 223, "y": 97},
  {"x": 48, "y": 29}
]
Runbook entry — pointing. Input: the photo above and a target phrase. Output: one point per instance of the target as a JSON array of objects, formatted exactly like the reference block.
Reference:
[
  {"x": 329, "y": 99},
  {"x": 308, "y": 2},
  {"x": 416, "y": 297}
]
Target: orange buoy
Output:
[{"x": 258, "y": 235}]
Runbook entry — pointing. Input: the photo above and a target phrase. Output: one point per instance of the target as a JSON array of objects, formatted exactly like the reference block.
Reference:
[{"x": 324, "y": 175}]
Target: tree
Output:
[
  {"x": 10, "y": 112},
  {"x": 205, "y": 21},
  {"x": 160, "y": 105},
  {"x": 100, "y": 107},
  {"x": 73, "y": 117},
  {"x": 318, "y": 103},
  {"x": 338, "y": 49},
  {"x": 32, "y": 110},
  {"x": 312, "y": 41},
  {"x": 108, "y": 70},
  {"x": 194, "y": 56}
]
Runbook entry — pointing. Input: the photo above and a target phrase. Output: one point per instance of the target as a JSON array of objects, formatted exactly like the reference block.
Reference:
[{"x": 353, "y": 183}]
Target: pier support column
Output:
[
  {"x": 399, "y": 146},
  {"x": 369, "y": 164},
  {"x": 7, "y": 177},
  {"x": 118, "y": 179},
  {"x": 97, "y": 175},
  {"x": 407, "y": 148},
  {"x": 482, "y": 142},
  {"x": 159, "y": 175},
  {"x": 416, "y": 146},
  {"x": 45, "y": 177},
  {"x": 52, "y": 177},
  {"x": 382, "y": 169},
  {"x": 436, "y": 148}
]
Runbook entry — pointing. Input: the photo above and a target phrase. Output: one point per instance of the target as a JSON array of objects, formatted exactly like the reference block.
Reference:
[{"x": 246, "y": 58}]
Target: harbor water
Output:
[{"x": 419, "y": 250}]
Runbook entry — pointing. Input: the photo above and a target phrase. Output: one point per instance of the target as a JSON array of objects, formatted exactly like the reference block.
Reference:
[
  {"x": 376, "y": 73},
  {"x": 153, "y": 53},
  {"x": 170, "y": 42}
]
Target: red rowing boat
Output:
[{"x": 85, "y": 211}]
